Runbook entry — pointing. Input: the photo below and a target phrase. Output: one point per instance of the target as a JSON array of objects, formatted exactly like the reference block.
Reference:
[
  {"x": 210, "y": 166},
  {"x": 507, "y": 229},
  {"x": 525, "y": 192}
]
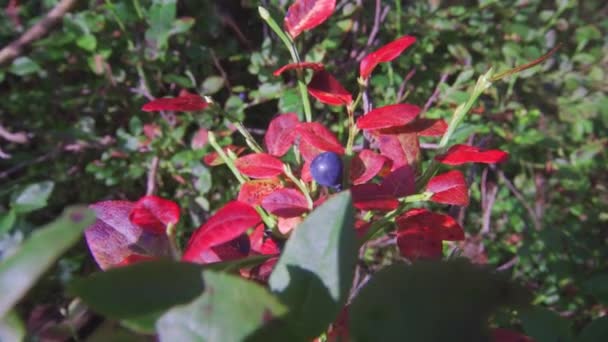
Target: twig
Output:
[
  {"x": 14, "y": 49},
  {"x": 401, "y": 91},
  {"x": 17, "y": 137},
  {"x": 219, "y": 68},
  {"x": 379, "y": 17},
  {"x": 519, "y": 197},
  {"x": 435, "y": 94},
  {"x": 488, "y": 198},
  {"x": 151, "y": 182},
  {"x": 507, "y": 264}
]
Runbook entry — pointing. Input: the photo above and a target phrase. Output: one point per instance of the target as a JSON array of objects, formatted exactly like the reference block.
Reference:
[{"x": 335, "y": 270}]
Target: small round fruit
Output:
[{"x": 326, "y": 169}]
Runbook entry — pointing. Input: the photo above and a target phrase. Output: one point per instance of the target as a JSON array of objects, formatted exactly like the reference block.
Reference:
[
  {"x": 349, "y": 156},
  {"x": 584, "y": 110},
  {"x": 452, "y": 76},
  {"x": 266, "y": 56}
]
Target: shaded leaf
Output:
[
  {"x": 597, "y": 330},
  {"x": 259, "y": 165},
  {"x": 388, "y": 116},
  {"x": 449, "y": 188},
  {"x": 185, "y": 102},
  {"x": 400, "y": 182},
  {"x": 327, "y": 89},
  {"x": 422, "y": 127},
  {"x": 386, "y": 53},
  {"x": 461, "y": 154},
  {"x": 320, "y": 137},
  {"x": 280, "y": 134},
  {"x": 365, "y": 166},
  {"x": 506, "y": 335},
  {"x": 213, "y": 158},
  {"x": 304, "y": 15},
  {"x": 20, "y": 271},
  {"x": 286, "y": 203},
  {"x": 370, "y": 196},
  {"x": 302, "y": 65},
  {"x": 544, "y": 325},
  {"x": 402, "y": 149},
  {"x": 154, "y": 214}
]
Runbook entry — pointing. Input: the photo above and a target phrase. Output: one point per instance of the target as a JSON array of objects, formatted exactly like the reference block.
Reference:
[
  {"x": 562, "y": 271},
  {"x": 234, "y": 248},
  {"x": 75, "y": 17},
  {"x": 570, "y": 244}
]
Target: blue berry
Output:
[{"x": 326, "y": 169}]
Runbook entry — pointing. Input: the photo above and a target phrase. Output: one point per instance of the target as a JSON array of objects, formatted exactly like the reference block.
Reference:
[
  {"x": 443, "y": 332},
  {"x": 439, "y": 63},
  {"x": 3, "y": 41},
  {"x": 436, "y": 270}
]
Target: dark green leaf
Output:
[
  {"x": 544, "y": 325},
  {"x": 597, "y": 286},
  {"x": 314, "y": 274},
  {"x": 11, "y": 328},
  {"x": 33, "y": 197},
  {"x": 595, "y": 331},
  {"x": 230, "y": 309},
  {"x": 430, "y": 301},
  {"x": 140, "y": 289},
  {"x": 21, "y": 270}
]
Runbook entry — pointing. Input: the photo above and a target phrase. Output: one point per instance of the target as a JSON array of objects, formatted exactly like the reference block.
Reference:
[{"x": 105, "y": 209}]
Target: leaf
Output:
[
  {"x": 597, "y": 330},
  {"x": 419, "y": 243},
  {"x": 286, "y": 203},
  {"x": 315, "y": 271},
  {"x": 544, "y": 325},
  {"x": 280, "y": 134},
  {"x": 597, "y": 286},
  {"x": 386, "y": 53},
  {"x": 286, "y": 225},
  {"x": 213, "y": 158},
  {"x": 447, "y": 226},
  {"x": 402, "y": 149},
  {"x": 388, "y": 116},
  {"x": 400, "y": 182},
  {"x": 230, "y": 309},
  {"x": 32, "y": 197},
  {"x": 186, "y": 102},
  {"x": 506, "y": 335},
  {"x": 320, "y": 137},
  {"x": 12, "y": 328},
  {"x": 113, "y": 237},
  {"x": 254, "y": 191},
  {"x": 259, "y": 165},
  {"x": 431, "y": 301},
  {"x": 371, "y": 196},
  {"x": 422, "y": 127},
  {"x": 154, "y": 214},
  {"x": 449, "y": 188},
  {"x": 20, "y": 271},
  {"x": 366, "y": 165},
  {"x": 461, "y": 154},
  {"x": 304, "y": 15},
  {"x": 262, "y": 244},
  {"x": 302, "y": 65},
  {"x": 228, "y": 223},
  {"x": 327, "y": 89},
  {"x": 139, "y": 289}
]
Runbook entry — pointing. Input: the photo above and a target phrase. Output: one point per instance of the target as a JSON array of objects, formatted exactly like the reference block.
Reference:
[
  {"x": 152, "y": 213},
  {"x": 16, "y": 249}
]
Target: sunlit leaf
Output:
[
  {"x": 286, "y": 203},
  {"x": 186, "y": 102},
  {"x": 461, "y": 154},
  {"x": 449, "y": 188},
  {"x": 280, "y": 134},
  {"x": 386, "y": 53},
  {"x": 254, "y": 191},
  {"x": 304, "y": 15},
  {"x": 302, "y": 65},
  {"x": 259, "y": 165},
  {"x": 327, "y": 89},
  {"x": 388, "y": 116},
  {"x": 154, "y": 214}
]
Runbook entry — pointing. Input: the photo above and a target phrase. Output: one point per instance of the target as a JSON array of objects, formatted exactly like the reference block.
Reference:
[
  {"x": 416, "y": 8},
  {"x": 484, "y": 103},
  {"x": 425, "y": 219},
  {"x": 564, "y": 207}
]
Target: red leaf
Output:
[
  {"x": 402, "y": 149},
  {"x": 261, "y": 244},
  {"x": 327, "y": 89},
  {"x": 133, "y": 259},
  {"x": 286, "y": 225},
  {"x": 386, "y": 53},
  {"x": 185, "y": 102},
  {"x": 302, "y": 65},
  {"x": 213, "y": 158},
  {"x": 448, "y": 229},
  {"x": 419, "y": 243},
  {"x": 400, "y": 182},
  {"x": 372, "y": 196},
  {"x": 152, "y": 131},
  {"x": 320, "y": 137},
  {"x": 200, "y": 138},
  {"x": 388, "y": 116},
  {"x": 365, "y": 165},
  {"x": 113, "y": 238},
  {"x": 461, "y": 154},
  {"x": 422, "y": 127},
  {"x": 506, "y": 335},
  {"x": 361, "y": 228},
  {"x": 235, "y": 249},
  {"x": 228, "y": 223},
  {"x": 305, "y": 174},
  {"x": 259, "y": 165},
  {"x": 449, "y": 188},
  {"x": 154, "y": 214},
  {"x": 286, "y": 203},
  {"x": 254, "y": 191},
  {"x": 280, "y": 134},
  {"x": 304, "y": 15}
]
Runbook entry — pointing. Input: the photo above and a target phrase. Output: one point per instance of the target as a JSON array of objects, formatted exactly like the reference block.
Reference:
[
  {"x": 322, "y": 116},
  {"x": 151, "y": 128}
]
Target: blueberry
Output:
[{"x": 326, "y": 169}]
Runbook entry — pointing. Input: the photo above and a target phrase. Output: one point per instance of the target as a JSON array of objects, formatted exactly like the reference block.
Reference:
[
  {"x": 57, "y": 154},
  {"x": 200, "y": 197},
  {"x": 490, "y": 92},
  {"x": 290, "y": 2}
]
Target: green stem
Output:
[
  {"x": 229, "y": 162},
  {"x": 172, "y": 237},
  {"x": 137, "y": 5},
  {"x": 299, "y": 184},
  {"x": 248, "y": 138}
]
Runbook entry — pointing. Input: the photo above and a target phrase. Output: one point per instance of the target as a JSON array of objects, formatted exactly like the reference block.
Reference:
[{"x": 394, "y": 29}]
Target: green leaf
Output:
[
  {"x": 33, "y": 197},
  {"x": 11, "y": 328},
  {"x": 7, "y": 221},
  {"x": 19, "y": 272},
  {"x": 212, "y": 85},
  {"x": 597, "y": 286},
  {"x": 230, "y": 309},
  {"x": 23, "y": 66},
  {"x": 87, "y": 42},
  {"x": 314, "y": 274},
  {"x": 597, "y": 330},
  {"x": 430, "y": 301},
  {"x": 544, "y": 325},
  {"x": 140, "y": 289}
]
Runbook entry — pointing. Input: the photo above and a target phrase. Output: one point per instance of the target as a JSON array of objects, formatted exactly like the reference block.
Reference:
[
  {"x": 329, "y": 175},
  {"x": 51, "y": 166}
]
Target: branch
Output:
[{"x": 41, "y": 28}]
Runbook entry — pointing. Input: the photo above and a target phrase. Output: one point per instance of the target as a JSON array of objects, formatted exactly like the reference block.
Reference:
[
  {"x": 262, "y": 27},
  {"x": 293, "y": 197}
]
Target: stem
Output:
[
  {"x": 172, "y": 237},
  {"x": 299, "y": 184},
  {"x": 248, "y": 138},
  {"x": 229, "y": 162},
  {"x": 293, "y": 51}
]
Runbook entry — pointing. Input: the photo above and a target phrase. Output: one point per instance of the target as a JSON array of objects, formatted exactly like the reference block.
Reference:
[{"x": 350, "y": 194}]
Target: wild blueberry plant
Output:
[{"x": 378, "y": 169}]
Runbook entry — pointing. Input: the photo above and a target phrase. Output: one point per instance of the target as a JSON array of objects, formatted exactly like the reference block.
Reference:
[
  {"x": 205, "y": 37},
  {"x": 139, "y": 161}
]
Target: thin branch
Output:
[
  {"x": 219, "y": 68},
  {"x": 151, "y": 182},
  {"x": 40, "y": 29},
  {"x": 435, "y": 96},
  {"x": 14, "y": 137},
  {"x": 520, "y": 197}
]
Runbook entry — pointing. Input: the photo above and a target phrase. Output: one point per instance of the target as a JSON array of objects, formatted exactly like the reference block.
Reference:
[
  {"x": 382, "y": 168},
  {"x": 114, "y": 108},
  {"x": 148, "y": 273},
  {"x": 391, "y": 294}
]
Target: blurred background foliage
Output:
[{"x": 73, "y": 131}]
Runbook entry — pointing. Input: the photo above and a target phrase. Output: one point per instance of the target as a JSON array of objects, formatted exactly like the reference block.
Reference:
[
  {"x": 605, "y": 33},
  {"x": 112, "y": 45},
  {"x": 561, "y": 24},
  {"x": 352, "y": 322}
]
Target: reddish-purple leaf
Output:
[
  {"x": 227, "y": 224},
  {"x": 213, "y": 158},
  {"x": 320, "y": 137},
  {"x": 261, "y": 244},
  {"x": 286, "y": 203},
  {"x": 386, "y": 53},
  {"x": 506, "y": 335},
  {"x": 200, "y": 138},
  {"x": 448, "y": 229},
  {"x": 372, "y": 196},
  {"x": 327, "y": 89},
  {"x": 305, "y": 174},
  {"x": 402, "y": 149},
  {"x": 154, "y": 214},
  {"x": 185, "y": 102},
  {"x": 422, "y": 127},
  {"x": 280, "y": 134},
  {"x": 461, "y": 154},
  {"x": 388, "y": 116},
  {"x": 259, "y": 165},
  {"x": 400, "y": 182},
  {"x": 133, "y": 259},
  {"x": 235, "y": 249},
  {"x": 449, "y": 188},
  {"x": 253, "y": 192},
  {"x": 419, "y": 243},
  {"x": 113, "y": 238},
  {"x": 304, "y": 15},
  {"x": 302, "y": 65},
  {"x": 365, "y": 166}
]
